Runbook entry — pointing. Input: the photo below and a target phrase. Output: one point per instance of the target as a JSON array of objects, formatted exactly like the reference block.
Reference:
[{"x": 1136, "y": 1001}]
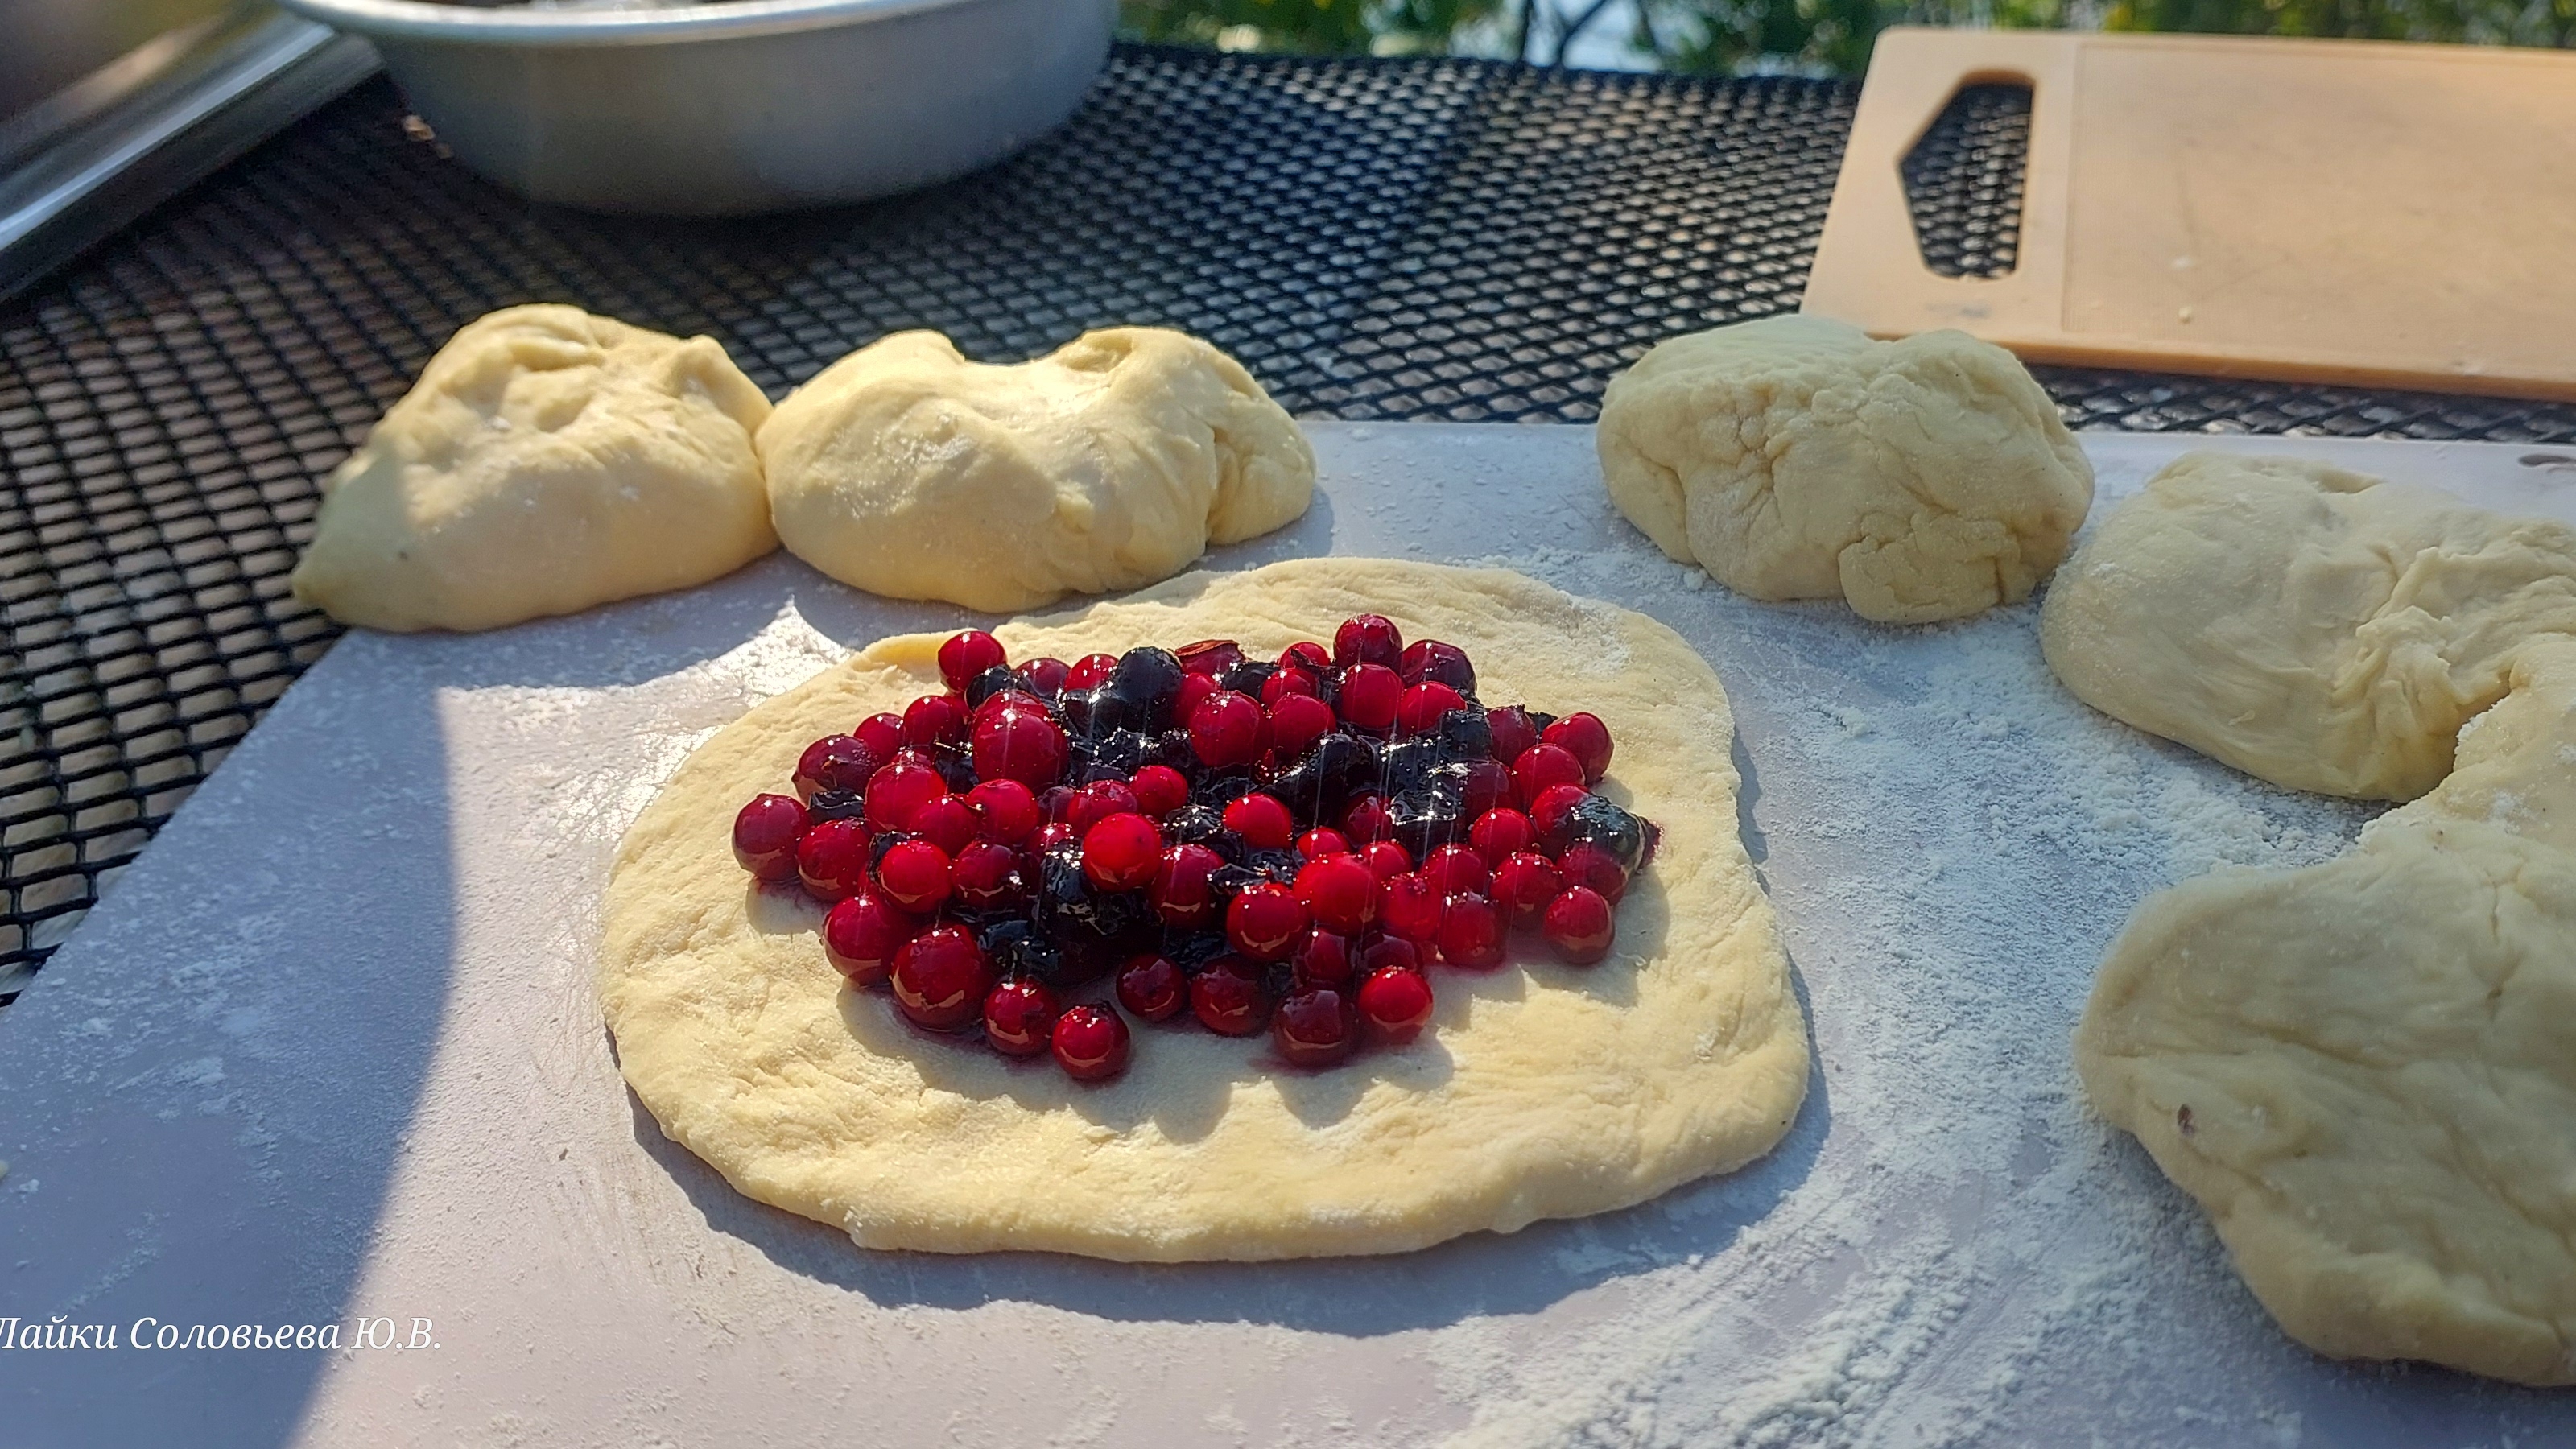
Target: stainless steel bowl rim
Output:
[{"x": 478, "y": 25}]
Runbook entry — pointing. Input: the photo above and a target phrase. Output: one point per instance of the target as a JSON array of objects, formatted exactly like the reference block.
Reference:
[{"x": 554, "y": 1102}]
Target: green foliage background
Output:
[{"x": 1810, "y": 36}]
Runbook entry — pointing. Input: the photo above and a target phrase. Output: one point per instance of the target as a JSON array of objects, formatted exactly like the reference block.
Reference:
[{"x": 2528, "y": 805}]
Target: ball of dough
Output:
[
  {"x": 906, "y": 470},
  {"x": 2365, "y": 1070},
  {"x": 547, "y": 460},
  {"x": 2320, "y": 629},
  {"x": 1541, "y": 1090},
  {"x": 1795, "y": 458}
]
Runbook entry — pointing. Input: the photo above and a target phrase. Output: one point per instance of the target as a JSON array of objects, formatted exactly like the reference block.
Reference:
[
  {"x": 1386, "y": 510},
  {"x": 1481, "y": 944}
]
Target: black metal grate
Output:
[
  {"x": 1963, "y": 182},
  {"x": 1374, "y": 239}
]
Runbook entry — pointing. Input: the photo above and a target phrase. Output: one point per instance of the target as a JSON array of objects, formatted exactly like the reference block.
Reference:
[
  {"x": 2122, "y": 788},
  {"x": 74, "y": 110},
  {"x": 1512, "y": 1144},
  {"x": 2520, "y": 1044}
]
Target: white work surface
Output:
[{"x": 328, "y": 1053}]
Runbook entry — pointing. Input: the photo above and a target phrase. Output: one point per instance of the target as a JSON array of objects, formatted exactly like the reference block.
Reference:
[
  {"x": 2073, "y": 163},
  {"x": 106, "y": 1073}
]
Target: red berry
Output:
[
  {"x": 835, "y": 762},
  {"x": 1045, "y": 676},
  {"x": 764, "y": 836},
  {"x": 966, "y": 655},
  {"x": 1418, "y": 710},
  {"x": 1385, "y": 859},
  {"x": 1296, "y": 722},
  {"x": 1339, "y": 893},
  {"x": 1471, "y": 933},
  {"x": 1090, "y": 671},
  {"x": 1368, "y": 639},
  {"x": 1180, "y": 893},
  {"x": 1122, "y": 852},
  {"x": 940, "y": 978},
  {"x": 1005, "y": 810},
  {"x": 1513, "y": 730},
  {"x": 1209, "y": 656},
  {"x": 985, "y": 875},
  {"x": 1019, "y": 1015},
  {"x": 1483, "y": 785},
  {"x": 1024, "y": 745},
  {"x": 947, "y": 822},
  {"x": 1262, "y": 821},
  {"x": 1552, "y": 809},
  {"x": 1578, "y": 924},
  {"x": 1090, "y": 1042},
  {"x": 1409, "y": 907},
  {"x": 1498, "y": 833},
  {"x": 1264, "y": 921},
  {"x": 1381, "y": 950},
  {"x": 1159, "y": 790},
  {"x": 915, "y": 875},
  {"x": 1306, "y": 654},
  {"x": 1541, "y": 766},
  {"x": 1226, "y": 997},
  {"x": 1152, "y": 988},
  {"x": 1287, "y": 683},
  {"x": 1317, "y": 843},
  {"x": 1455, "y": 869},
  {"x": 1048, "y": 836},
  {"x": 1395, "y": 1004},
  {"x": 1432, "y": 662},
  {"x": 1524, "y": 882},
  {"x": 882, "y": 734},
  {"x": 934, "y": 719},
  {"x": 1195, "y": 689},
  {"x": 861, "y": 935},
  {"x": 1324, "y": 958},
  {"x": 1312, "y": 1028},
  {"x": 1098, "y": 801},
  {"x": 1016, "y": 700},
  {"x": 1586, "y": 738},
  {"x": 1367, "y": 819},
  {"x": 900, "y": 789},
  {"x": 1586, "y": 864},
  {"x": 1225, "y": 730},
  {"x": 1370, "y": 693},
  {"x": 832, "y": 859}
]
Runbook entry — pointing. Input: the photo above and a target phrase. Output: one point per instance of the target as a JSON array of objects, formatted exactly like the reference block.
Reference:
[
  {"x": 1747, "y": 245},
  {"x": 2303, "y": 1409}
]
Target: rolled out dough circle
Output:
[{"x": 1541, "y": 1091}]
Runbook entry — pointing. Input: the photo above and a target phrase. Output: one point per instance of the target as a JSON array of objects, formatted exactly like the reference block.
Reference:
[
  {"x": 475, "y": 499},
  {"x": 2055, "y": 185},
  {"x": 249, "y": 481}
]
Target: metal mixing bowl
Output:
[{"x": 721, "y": 109}]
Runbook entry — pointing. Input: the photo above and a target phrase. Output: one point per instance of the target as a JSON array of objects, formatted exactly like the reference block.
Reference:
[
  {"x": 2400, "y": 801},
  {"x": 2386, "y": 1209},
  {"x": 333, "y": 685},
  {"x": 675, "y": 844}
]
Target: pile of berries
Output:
[{"x": 1284, "y": 844}]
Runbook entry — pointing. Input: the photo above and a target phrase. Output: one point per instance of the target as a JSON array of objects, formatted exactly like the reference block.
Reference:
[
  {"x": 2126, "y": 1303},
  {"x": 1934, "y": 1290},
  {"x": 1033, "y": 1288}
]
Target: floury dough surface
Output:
[
  {"x": 548, "y": 460},
  {"x": 1540, "y": 1090},
  {"x": 2313, "y": 626},
  {"x": 1108, "y": 464}
]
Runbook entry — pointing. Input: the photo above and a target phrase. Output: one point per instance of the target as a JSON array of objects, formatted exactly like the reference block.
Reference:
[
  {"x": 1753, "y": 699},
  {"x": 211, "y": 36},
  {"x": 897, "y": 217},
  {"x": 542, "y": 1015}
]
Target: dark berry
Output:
[
  {"x": 1090, "y": 1042},
  {"x": 900, "y": 789},
  {"x": 1498, "y": 833},
  {"x": 1338, "y": 893},
  {"x": 1098, "y": 801},
  {"x": 882, "y": 734},
  {"x": 1262, "y": 821},
  {"x": 1324, "y": 958},
  {"x": 1312, "y": 1027},
  {"x": 1386, "y": 859},
  {"x": 1578, "y": 924},
  {"x": 832, "y": 859},
  {"x": 1005, "y": 810},
  {"x": 934, "y": 720},
  {"x": 1395, "y": 1004},
  {"x": 1140, "y": 691},
  {"x": 1586, "y": 864},
  {"x": 1482, "y": 785},
  {"x": 1265, "y": 920},
  {"x": 1180, "y": 892},
  {"x": 1019, "y": 1016},
  {"x": 861, "y": 935},
  {"x": 1194, "y": 824},
  {"x": 1055, "y": 801},
  {"x": 1595, "y": 820},
  {"x": 1001, "y": 682},
  {"x": 1025, "y": 745},
  {"x": 1050, "y": 835},
  {"x": 1226, "y": 996},
  {"x": 1543, "y": 765},
  {"x": 966, "y": 655},
  {"x": 1319, "y": 842},
  {"x": 1420, "y": 709},
  {"x": 1089, "y": 672},
  {"x": 1045, "y": 677},
  {"x": 1122, "y": 852},
  {"x": 1225, "y": 730},
  {"x": 1160, "y": 790},
  {"x": 1455, "y": 870},
  {"x": 1586, "y": 738},
  {"x": 835, "y": 762},
  {"x": 1378, "y": 950},
  {"x": 1471, "y": 933},
  {"x": 1296, "y": 722},
  {"x": 1370, "y": 693},
  {"x": 940, "y": 978},
  {"x": 1368, "y": 639},
  {"x": 1336, "y": 766},
  {"x": 1152, "y": 988},
  {"x": 947, "y": 822},
  {"x": 1409, "y": 907},
  {"x": 1428, "y": 661},
  {"x": 1512, "y": 730},
  {"x": 1524, "y": 882},
  {"x": 764, "y": 836},
  {"x": 915, "y": 875},
  {"x": 985, "y": 876}
]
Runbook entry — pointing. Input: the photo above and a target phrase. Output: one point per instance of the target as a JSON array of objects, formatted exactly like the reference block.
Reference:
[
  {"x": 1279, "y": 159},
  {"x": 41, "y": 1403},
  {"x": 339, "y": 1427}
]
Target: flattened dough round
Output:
[
  {"x": 547, "y": 461},
  {"x": 1542, "y": 1091},
  {"x": 1795, "y": 458},
  {"x": 2317, "y": 628},
  {"x": 906, "y": 470},
  {"x": 2365, "y": 1070}
]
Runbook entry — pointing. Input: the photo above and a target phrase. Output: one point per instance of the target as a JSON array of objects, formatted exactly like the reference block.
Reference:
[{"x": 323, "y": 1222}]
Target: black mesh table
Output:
[{"x": 1449, "y": 240}]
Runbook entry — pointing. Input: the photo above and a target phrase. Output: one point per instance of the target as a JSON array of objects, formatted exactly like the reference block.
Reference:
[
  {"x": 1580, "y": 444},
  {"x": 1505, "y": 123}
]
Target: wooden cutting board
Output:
[{"x": 2335, "y": 211}]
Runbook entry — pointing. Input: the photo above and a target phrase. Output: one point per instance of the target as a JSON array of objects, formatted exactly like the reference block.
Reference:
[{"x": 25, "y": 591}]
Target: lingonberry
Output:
[
  {"x": 835, "y": 762},
  {"x": 1586, "y": 864},
  {"x": 966, "y": 655},
  {"x": 1419, "y": 709},
  {"x": 1455, "y": 869},
  {"x": 882, "y": 734},
  {"x": 1019, "y": 1016},
  {"x": 1005, "y": 810},
  {"x": 1513, "y": 731},
  {"x": 940, "y": 978},
  {"x": 1226, "y": 996},
  {"x": 1122, "y": 852},
  {"x": 1395, "y": 1003},
  {"x": 1090, "y": 1042},
  {"x": 985, "y": 876},
  {"x": 1194, "y": 691},
  {"x": 915, "y": 875},
  {"x": 1471, "y": 932},
  {"x": 1386, "y": 859},
  {"x": 1225, "y": 730},
  {"x": 1338, "y": 892},
  {"x": 1551, "y": 810},
  {"x": 1285, "y": 683},
  {"x": 1428, "y": 661},
  {"x": 1370, "y": 694},
  {"x": 1098, "y": 801},
  {"x": 1020, "y": 744},
  {"x": 1367, "y": 819},
  {"x": 1540, "y": 766},
  {"x": 1054, "y": 801},
  {"x": 832, "y": 859},
  {"x": 1324, "y": 958},
  {"x": 1209, "y": 656},
  {"x": 1090, "y": 672},
  {"x": 1409, "y": 907},
  {"x": 934, "y": 719},
  {"x": 1179, "y": 892},
  {"x": 1262, "y": 821},
  {"x": 1586, "y": 738},
  {"x": 1159, "y": 790},
  {"x": 1498, "y": 833},
  {"x": 1045, "y": 677},
  {"x": 1524, "y": 882},
  {"x": 764, "y": 836},
  {"x": 1368, "y": 639},
  {"x": 1306, "y": 654},
  {"x": 1319, "y": 842},
  {"x": 1152, "y": 988},
  {"x": 1264, "y": 920},
  {"x": 1483, "y": 785},
  {"x": 1312, "y": 1027},
  {"x": 1296, "y": 722},
  {"x": 947, "y": 822},
  {"x": 1379, "y": 950},
  {"x": 861, "y": 935},
  {"x": 1579, "y": 925},
  {"x": 899, "y": 789}
]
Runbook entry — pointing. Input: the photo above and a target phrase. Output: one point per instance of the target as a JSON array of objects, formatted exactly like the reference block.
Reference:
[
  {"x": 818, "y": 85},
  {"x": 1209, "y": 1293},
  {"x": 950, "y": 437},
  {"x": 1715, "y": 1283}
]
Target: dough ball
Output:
[
  {"x": 2320, "y": 629},
  {"x": 2365, "y": 1070},
  {"x": 1795, "y": 458},
  {"x": 547, "y": 460},
  {"x": 905, "y": 470}
]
